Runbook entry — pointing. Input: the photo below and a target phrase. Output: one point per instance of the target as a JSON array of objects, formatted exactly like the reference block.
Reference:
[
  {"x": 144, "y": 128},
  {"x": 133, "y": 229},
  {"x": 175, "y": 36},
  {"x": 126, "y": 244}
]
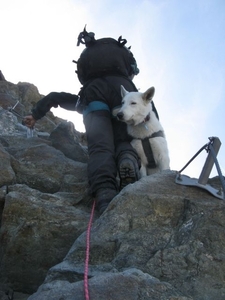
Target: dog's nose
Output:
[{"x": 120, "y": 115}]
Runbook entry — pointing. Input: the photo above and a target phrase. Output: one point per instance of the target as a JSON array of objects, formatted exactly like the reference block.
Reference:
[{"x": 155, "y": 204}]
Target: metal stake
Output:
[
  {"x": 212, "y": 148},
  {"x": 207, "y": 168}
]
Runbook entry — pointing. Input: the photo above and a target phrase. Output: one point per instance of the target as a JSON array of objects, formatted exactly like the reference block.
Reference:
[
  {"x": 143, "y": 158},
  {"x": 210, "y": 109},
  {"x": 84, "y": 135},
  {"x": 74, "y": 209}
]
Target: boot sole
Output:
[{"x": 127, "y": 173}]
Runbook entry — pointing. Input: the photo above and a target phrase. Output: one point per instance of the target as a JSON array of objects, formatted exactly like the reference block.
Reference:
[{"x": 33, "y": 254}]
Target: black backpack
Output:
[{"x": 102, "y": 57}]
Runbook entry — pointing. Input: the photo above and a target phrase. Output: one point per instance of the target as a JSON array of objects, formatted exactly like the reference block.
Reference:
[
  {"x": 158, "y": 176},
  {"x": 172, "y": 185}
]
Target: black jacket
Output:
[
  {"x": 106, "y": 89},
  {"x": 64, "y": 100}
]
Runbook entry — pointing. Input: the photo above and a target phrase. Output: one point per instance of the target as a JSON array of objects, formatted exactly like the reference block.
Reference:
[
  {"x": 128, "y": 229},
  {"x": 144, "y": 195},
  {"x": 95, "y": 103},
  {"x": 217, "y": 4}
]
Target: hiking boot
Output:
[
  {"x": 103, "y": 198},
  {"x": 128, "y": 170}
]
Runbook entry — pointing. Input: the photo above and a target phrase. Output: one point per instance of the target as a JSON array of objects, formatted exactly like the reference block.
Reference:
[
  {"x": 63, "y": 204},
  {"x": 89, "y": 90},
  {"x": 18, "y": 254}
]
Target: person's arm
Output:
[{"x": 64, "y": 100}]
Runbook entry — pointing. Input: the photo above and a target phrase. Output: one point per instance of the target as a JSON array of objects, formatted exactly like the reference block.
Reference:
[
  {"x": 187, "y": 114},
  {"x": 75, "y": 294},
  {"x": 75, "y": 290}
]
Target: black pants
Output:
[
  {"x": 107, "y": 141},
  {"x": 106, "y": 136}
]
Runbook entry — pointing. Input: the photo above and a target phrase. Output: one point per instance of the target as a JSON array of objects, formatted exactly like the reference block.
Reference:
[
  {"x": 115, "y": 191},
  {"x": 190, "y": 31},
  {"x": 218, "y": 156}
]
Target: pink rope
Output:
[{"x": 86, "y": 291}]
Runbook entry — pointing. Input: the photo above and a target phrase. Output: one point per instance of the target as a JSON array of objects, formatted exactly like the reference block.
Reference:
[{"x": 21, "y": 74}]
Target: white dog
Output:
[{"x": 146, "y": 130}]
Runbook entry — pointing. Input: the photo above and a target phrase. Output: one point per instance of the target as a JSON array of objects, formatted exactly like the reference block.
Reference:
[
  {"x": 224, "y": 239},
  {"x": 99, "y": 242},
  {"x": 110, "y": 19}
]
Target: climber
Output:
[{"x": 102, "y": 68}]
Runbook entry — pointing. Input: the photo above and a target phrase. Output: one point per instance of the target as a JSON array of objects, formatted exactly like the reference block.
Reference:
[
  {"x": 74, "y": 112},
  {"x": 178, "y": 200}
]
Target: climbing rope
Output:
[{"x": 86, "y": 291}]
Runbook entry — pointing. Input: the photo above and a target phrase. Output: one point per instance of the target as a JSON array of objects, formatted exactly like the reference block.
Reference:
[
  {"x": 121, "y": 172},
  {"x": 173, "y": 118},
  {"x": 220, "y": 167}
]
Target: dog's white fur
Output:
[{"x": 135, "y": 108}]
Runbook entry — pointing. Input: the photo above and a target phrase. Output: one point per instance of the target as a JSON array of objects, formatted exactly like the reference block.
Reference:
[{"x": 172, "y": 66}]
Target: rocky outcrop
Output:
[
  {"x": 24, "y": 96},
  {"x": 156, "y": 240},
  {"x": 2, "y": 77},
  {"x": 155, "y": 228},
  {"x": 47, "y": 169}
]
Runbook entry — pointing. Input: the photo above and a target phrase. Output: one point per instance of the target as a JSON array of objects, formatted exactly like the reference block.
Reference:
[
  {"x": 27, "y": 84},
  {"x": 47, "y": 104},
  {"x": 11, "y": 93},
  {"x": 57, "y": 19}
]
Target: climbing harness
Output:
[
  {"x": 30, "y": 131},
  {"x": 86, "y": 291},
  {"x": 148, "y": 149},
  {"x": 212, "y": 147}
]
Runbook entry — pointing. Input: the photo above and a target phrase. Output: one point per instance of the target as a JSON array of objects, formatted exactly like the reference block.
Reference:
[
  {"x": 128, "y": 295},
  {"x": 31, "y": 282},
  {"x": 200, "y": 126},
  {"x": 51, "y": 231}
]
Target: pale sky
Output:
[{"x": 179, "y": 47}]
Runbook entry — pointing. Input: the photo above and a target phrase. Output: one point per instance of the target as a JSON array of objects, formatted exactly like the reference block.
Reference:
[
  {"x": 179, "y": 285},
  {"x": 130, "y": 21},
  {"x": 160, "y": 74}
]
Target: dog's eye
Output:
[{"x": 133, "y": 103}]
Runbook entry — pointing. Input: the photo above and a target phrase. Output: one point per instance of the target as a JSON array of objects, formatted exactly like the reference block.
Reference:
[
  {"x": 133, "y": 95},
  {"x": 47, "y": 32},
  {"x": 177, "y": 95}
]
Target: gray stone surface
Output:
[{"x": 156, "y": 240}]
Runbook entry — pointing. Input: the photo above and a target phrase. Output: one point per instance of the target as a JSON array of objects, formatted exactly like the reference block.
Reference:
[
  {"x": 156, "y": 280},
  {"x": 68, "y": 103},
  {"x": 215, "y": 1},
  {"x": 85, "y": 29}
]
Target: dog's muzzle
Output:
[{"x": 120, "y": 116}]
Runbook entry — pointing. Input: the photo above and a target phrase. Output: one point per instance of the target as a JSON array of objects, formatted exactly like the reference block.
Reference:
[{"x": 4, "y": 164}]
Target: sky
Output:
[{"x": 179, "y": 47}]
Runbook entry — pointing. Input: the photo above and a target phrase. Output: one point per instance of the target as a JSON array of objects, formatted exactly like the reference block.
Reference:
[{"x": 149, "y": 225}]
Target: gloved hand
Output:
[{"x": 29, "y": 121}]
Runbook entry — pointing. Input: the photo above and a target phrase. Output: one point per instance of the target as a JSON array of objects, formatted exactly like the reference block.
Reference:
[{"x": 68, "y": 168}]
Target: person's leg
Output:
[{"x": 102, "y": 170}]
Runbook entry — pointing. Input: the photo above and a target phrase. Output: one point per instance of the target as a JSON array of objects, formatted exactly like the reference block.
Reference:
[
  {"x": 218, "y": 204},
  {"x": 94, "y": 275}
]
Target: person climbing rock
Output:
[{"x": 103, "y": 66}]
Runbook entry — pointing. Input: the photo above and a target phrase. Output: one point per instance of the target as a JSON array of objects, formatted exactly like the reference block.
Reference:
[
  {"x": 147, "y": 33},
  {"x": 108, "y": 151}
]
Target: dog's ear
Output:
[
  {"x": 149, "y": 94},
  {"x": 123, "y": 91}
]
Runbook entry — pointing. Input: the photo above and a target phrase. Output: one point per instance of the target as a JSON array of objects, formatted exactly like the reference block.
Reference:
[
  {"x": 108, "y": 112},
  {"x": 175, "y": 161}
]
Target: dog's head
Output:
[{"x": 135, "y": 106}]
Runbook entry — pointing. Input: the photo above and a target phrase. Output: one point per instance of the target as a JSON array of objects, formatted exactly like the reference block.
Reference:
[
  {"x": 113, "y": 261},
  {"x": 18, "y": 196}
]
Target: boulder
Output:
[
  {"x": 66, "y": 139},
  {"x": 37, "y": 231},
  {"x": 171, "y": 232}
]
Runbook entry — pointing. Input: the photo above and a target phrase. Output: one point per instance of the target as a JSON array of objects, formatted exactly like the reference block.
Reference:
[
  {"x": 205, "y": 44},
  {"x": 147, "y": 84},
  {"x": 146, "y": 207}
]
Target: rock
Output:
[
  {"x": 160, "y": 228},
  {"x": 156, "y": 240},
  {"x": 36, "y": 233},
  {"x": 2, "y": 77},
  {"x": 131, "y": 284},
  {"x": 46, "y": 169},
  {"x": 3, "y": 192},
  {"x": 7, "y": 122},
  {"x": 24, "y": 96},
  {"x": 65, "y": 138},
  {"x": 7, "y": 174}
]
